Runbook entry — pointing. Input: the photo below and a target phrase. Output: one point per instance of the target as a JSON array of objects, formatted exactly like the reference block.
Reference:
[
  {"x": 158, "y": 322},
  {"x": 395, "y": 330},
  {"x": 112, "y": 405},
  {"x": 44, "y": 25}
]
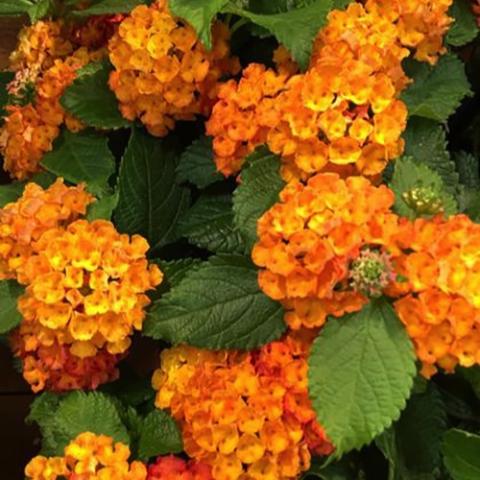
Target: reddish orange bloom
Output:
[
  {"x": 174, "y": 468},
  {"x": 247, "y": 415}
]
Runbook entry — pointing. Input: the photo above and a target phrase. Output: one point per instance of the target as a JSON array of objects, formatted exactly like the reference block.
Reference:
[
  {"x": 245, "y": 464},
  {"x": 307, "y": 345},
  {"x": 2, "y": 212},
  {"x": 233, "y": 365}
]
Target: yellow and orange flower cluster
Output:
[
  {"x": 440, "y": 302},
  {"x": 88, "y": 457},
  {"x": 344, "y": 113},
  {"x": 85, "y": 286},
  {"x": 163, "y": 73},
  {"x": 309, "y": 239},
  {"x": 47, "y": 58},
  {"x": 174, "y": 468},
  {"x": 247, "y": 415}
]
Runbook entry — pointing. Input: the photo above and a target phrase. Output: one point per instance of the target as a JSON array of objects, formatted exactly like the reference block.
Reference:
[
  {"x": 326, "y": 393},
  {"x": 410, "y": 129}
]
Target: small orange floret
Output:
[{"x": 174, "y": 468}]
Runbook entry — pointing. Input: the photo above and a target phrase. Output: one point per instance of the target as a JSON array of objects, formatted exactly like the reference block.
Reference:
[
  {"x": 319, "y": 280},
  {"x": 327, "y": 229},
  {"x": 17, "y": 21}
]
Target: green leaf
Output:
[
  {"x": 426, "y": 142},
  {"x": 150, "y": 200},
  {"x": 258, "y": 191},
  {"x": 472, "y": 375},
  {"x": 217, "y": 305},
  {"x": 465, "y": 28},
  {"x": 159, "y": 435},
  {"x": 199, "y": 14},
  {"x": 10, "y": 192},
  {"x": 361, "y": 371},
  {"x": 82, "y": 157},
  {"x": 209, "y": 224},
  {"x": 295, "y": 29},
  {"x": 197, "y": 166},
  {"x": 15, "y": 7},
  {"x": 103, "y": 208},
  {"x": 436, "y": 91},
  {"x": 90, "y": 99},
  {"x": 468, "y": 169},
  {"x": 413, "y": 444},
  {"x": 104, "y": 7},
  {"x": 409, "y": 176},
  {"x": 460, "y": 450},
  {"x": 40, "y": 9},
  {"x": 10, "y": 317}
]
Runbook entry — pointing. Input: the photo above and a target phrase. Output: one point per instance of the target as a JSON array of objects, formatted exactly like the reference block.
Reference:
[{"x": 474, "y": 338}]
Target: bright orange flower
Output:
[
  {"x": 88, "y": 457},
  {"x": 247, "y": 415},
  {"x": 174, "y": 468},
  {"x": 162, "y": 71}
]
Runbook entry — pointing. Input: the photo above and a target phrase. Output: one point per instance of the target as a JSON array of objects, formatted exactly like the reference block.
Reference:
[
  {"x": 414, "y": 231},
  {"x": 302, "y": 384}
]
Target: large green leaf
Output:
[
  {"x": 10, "y": 317},
  {"x": 209, "y": 224},
  {"x": 103, "y": 208},
  {"x": 104, "y": 7},
  {"x": 159, "y": 435},
  {"x": 150, "y": 200},
  {"x": 409, "y": 176},
  {"x": 196, "y": 164},
  {"x": 82, "y": 157},
  {"x": 464, "y": 28},
  {"x": 296, "y": 29},
  {"x": 258, "y": 191},
  {"x": 217, "y": 305},
  {"x": 425, "y": 142},
  {"x": 461, "y": 454},
  {"x": 361, "y": 371},
  {"x": 90, "y": 99},
  {"x": 174, "y": 272},
  {"x": 413, "y": 444},
  {"x": 199, "y": 13},
  {"x": 436, "y": 91}
]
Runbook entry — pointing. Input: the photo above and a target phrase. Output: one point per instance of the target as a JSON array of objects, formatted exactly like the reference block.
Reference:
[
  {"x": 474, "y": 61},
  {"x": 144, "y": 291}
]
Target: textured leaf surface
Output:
[
  {"x": 82, "y": 157},
  {"x": 461, "y": 454},
  {"x": 199, "y": 13},
  {"x": 464, "y": 28},
  {"x": 9, "y": 315},
  {"x": 150, "y": 200},
  {"x": 436, "y": 91},
  {"x": 159, "y": 435},
  {"x": 90, "y": 99},
  {"x": 197, "y": 166},
  {"x": 361, "y": 371},
  {"x": 296, "y": 29},
  {"x": 258, "y": 191},
  {"x": 209, "y": 224},
  {"x": 103, "y": 208},
  {"x": 217, "y": 305},
  {"x": 409, "y": 175},
  {"x": 467, "y": 166},
  {"x": 174, "y": 272}
]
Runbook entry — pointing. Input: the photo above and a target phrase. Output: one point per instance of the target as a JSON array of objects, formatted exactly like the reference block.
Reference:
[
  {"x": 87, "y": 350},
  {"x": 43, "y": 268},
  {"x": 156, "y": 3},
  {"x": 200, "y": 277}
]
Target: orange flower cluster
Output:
[
  {"x": 88, "y": 457},
  {"x": 440, "y": 303},
  {"x": 163, "y": 72},
  {"x": 248, "y": 415},
  {"x": 308, "y": 241},
  {"x": 85, "y": 286},
  {"x": 174, "y": 468},
  {"x": 343, "y": 114}
]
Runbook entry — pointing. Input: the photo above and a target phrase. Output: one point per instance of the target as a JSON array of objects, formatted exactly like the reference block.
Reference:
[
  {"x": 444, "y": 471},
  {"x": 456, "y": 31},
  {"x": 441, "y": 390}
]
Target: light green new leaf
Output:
[
  {"x": 159, "y": 435},
  {"x": 196, "y": 164},
  {"x": 361, "y": 371},
  {"x": 82, "y": 157},
  {"x": 464, "y": 28},
  {"x": 410, "y": 176},
  {"x": 296, "y": 29},
  {"x": 104, "y": 7},
  {"x": 209, "y": 224},
  {"x": 426, "y": 143},
  {"x": 10, "y": 317},
  {"x": 90, "y": 99},
  {"x": 438, "y": 90},
  {"x": 461, "y": 454},
  {"x": 258, "y": 191},
  {"x": 199, "y": 14},
  {"x": 217, "y": 305},
  {"x": 40, "y": 9},
  {"x": 150, "y": 199},
  {"x": 103, "y": 208}
]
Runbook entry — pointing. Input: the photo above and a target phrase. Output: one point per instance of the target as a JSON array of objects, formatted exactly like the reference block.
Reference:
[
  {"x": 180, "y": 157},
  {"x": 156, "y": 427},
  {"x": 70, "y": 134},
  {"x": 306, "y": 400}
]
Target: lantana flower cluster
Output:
[
  {"x": 47, "y": 60},
  {"x": 88, "y": 457},
  {"x": 85, "y": 287},
  {"x": 309, "y": 242},
  {"x": 344, "y": 113},
  {"x": 175, "y": 468},
  {"x": 163, "y": 73},
  {"x": 248, "y": 415}
]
